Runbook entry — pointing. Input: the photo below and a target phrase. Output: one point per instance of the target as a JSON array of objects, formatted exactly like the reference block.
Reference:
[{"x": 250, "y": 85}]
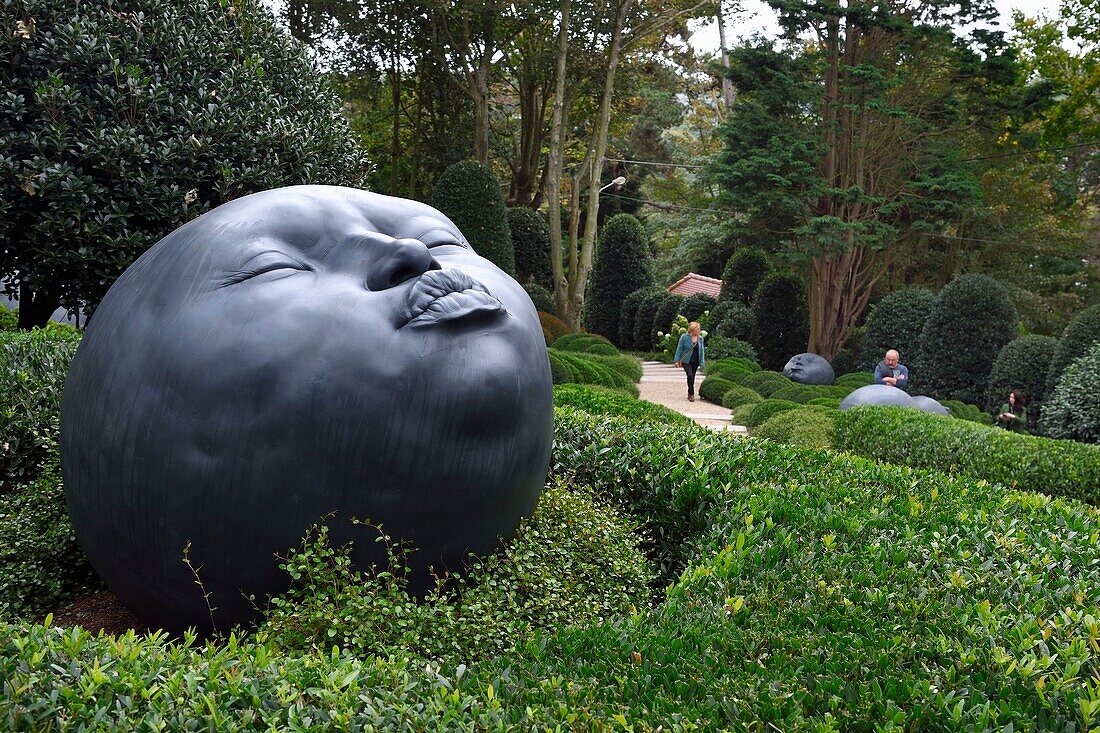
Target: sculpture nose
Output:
[{"x": 396, "y": 261}]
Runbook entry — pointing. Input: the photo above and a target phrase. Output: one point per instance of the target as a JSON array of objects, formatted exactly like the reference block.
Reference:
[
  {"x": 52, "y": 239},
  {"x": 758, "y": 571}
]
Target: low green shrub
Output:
[
  {"x": 741, "y": 414},
  {"x": 1026, "y": 462},
  {"x": 9, "y": 319},
  {"x": 41, "y": 563},
  {"x": 807, "y": 427},
  {"x": 801, "y": 393},
  {"x": 826, "y": 402},
  {"x": 560, "y": 373},
  {"x": 765, "y": 382},
  {"x": 724, "y": 347},
  {"x": 714, "y": 388},
  {"x": 606, "y": 401},
  {"x": 33, "y": 365},
  {"x": 576, "y": 561},
  {"x": 855, "y": 380},
  {"x": 1073, "y": 411},
  {"x": 734, "y": 320},
  {"x": 595, "y": 369},
  {"x": 580, "y": 342},
  {"x": 736, "y": 396},
  {"x": 731, "y": 366},
  {"x": 763, "y": 410},
  {"x": 964, "y": 411},
  {"x": 625, "y": 364}
]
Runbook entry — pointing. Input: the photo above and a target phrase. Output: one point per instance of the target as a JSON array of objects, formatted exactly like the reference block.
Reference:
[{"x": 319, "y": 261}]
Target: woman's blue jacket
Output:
[{"x": 683, "y": 349}]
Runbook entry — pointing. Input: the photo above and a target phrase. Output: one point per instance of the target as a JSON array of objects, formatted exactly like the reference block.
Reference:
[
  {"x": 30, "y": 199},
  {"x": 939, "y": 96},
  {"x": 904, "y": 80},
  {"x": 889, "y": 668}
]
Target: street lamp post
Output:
[{"x": 617, "y": 183}]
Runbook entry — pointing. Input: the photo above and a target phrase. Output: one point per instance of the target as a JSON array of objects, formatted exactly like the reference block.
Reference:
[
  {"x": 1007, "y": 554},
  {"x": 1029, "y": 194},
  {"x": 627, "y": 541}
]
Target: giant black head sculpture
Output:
[
  {"x": 809, "y": 368},
  {"x": 288, "y": 355}
]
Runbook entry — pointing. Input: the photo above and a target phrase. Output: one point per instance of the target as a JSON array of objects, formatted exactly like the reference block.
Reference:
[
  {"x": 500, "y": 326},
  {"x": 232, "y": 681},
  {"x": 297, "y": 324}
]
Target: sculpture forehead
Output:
[{"x": 303, "y": 216}]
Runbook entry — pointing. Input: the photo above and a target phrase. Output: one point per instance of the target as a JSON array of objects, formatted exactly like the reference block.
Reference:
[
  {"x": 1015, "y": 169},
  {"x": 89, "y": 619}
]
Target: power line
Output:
[
  {"x": 654, "y": 163},
  {"x": 1091, "y": 143},
  {"x": 665, "y": 206}
]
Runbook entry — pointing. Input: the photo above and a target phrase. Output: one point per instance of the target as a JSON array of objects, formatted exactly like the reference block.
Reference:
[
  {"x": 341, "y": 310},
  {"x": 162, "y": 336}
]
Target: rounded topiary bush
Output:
[
  {"x": 560, "y": 371},
  {"x": 805, "y": 427},
  {"x": 731, "y": 366},
  {"x": 736, "y": 396},
  {"x": 552, "y": 326},
  {"x": 1072, "y": 412},
  {"x": 606, "y": 401},
  {"x": 896, "y": 322},
  {"x": 742, "y": 275},
  {"x": 719, "y": 347},
  {"x": 469, "y": 195},
  {"x": 579, "y": 341},
  {"x": 530, "y": 234},
  {"x": 695, "y": 306},
  {"x": 855, "y": 379},
  {"x": 765, "y": 382},
  {"x": 972, "y": 320},
  {"x": 1023, "y": 364},
  {"x": 1081, "y": 333},
  {"x": 125, "y": 120},
  {"x": 714, "y": 388},
  {"x": 542, "y": 298},
  {"x": 782, "y": 319},
  {"x": 645, "y": 335},
  {"x": 763, "y": 410},
  {"x": 622, "y": 264},
  {"x": 733, "y": 319},
  {"x": 666, "y": 313}
]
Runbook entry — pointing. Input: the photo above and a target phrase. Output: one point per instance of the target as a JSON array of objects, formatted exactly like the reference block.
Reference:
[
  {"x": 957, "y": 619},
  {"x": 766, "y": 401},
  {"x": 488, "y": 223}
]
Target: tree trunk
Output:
[
  {"x": 553, "y": 181},
  {"x": 480, "y": 93},
  {"x": 727, "y": 85},
  {"x": 35, "y": 308}
]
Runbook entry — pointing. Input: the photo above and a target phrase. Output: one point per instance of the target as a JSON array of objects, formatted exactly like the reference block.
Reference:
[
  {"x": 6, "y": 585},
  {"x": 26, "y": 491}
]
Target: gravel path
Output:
[{"x": 666, "y": 385}]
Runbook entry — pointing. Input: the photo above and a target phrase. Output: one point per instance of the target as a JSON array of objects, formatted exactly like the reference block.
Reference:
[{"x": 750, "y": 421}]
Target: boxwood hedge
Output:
[
  {"x": 714, "y": 388},
  {"x": 605, "y": 401},
  {"x": 808, "y": 427},
  {"x": 763, "y": 410},
  {"x": 736, "y": 396}
]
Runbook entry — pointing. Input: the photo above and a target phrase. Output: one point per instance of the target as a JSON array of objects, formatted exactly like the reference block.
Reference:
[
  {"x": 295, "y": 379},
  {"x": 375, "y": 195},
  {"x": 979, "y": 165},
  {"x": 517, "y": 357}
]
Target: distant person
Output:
[
  {"x": 890, "y": 371},
  {"x": 1014, "y": 413},
  {"x": 689, "y": 354}
]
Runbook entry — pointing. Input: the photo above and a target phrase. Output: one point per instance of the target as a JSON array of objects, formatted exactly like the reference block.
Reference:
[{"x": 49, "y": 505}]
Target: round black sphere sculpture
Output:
[
  {"x": 927, "y": 404},
  {"x": 877, "y": 394},
  {"x": 297, "y": 354},
  {"x": 809, "y": 368}
]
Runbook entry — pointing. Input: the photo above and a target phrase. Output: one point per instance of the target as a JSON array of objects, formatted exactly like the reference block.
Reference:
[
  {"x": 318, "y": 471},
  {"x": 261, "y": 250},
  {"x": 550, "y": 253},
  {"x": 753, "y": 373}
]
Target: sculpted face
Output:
[
  {"x": 809, "y": 369},
  {"x": 291, "y": 354}
]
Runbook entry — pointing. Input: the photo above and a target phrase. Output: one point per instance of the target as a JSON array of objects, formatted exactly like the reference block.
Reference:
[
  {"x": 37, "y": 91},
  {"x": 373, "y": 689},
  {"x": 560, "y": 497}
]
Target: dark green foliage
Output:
[
  {"x": 622, "y": 264},
  {"x": 666, "y": 313},
  {"x": 124, "y": 119},
  {"x": 765, "y": 382},
  {"x": 575, "y": 562},
  {"x": 580, "y": 368},
  {"x": 738, "y": 321},
  {"x": 742, "y": 275},
  {"x": 855, "y": 379},
  {"x": 1026, "y": 462},
  {"x": 695, "y": 305},
  {"x": 731, "y": 366},
  {"x": 604, "y": 401},
  {"x": 896, "y": 322},
  {"x": 845, "y": 362},
  {"x": 1081, "y": 333},
  {"x": 541, "y": 298},
  {"x": 808, "y": 427},
  {"x": 530, "y": 234},
  {"x": 714, "y": 388},
  {"x": 736, "y": 396},
  {"x": 33, "y": 366},
  {"x": 625, "y": 364},
  {"x": 763, "y": 410},
  {"x": 833, "y": 402},
  {"x": 41, "y": 563},
  {"x": 1023, "y": 364},
  {"x": 1073, "y": 411},
  {"x": 578, "y": 341},
  {"x": 972, "y": 320},
  {"x": 719, "y": 347},
  {"x": 469, "y": 195},
  {"x": 801, "y": 393},
  {"x": 560, "y": 373},
  {"x": 645, "y": 335},
  {"x": 964, "y": 411},
  {"x": 9, "y": 319},
  {"x": 627, "y": 313},
  {"x": 782, "y": 319}
]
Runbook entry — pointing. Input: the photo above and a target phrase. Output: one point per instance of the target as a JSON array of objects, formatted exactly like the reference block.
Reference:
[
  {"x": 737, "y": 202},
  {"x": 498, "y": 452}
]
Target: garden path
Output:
[{"x": 666, "y": 385}]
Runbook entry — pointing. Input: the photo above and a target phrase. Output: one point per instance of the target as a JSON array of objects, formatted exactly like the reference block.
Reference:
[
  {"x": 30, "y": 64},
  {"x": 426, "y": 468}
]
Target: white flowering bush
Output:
[{"x": 667, "y": 341}]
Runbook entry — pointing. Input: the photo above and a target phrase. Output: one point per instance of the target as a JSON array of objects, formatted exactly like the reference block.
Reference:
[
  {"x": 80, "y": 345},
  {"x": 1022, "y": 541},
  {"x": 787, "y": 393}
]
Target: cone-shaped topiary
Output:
[
  {"x": 782, "y": 319},
  {"x": 666, "y": 313},
  {"x": 896, "y": 322},
  {"x": 1073, "y": 411},
  {"x": 622, "y": 265},
  {"x": 1023, "y": 364},
  {"x": 744, "y": 272},
  {"x": 627, "y": 313},
  {"x": 1081, "y": 333},
  {"x": 971, "y": 322},
  {"x": 531, "y": 243},
  {"x": 644, "y": 334},
  {"x": 469, "y": 195}
]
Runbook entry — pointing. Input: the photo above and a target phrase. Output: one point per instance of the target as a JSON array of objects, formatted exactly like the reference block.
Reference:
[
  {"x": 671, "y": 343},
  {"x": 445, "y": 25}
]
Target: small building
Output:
[{"x": 691, "y": 283}]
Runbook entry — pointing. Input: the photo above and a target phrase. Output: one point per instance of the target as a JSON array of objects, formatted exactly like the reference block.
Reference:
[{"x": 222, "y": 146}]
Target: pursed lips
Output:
[{"x": 447, "y": 294}]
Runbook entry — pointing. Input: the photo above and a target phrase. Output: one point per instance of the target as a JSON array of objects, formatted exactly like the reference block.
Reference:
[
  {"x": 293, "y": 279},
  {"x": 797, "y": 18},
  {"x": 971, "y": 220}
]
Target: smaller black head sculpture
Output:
[
  {"x": 809, "y": 368},
  {"x": 927, "y": 404},
  {"x": 290, "y": 355},
  {"x": 877, "y": 394}
]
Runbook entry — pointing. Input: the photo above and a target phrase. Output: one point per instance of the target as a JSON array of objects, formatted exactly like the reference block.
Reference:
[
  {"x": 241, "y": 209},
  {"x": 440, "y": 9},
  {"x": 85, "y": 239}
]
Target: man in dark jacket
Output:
[{"x": 890, "y": 372}]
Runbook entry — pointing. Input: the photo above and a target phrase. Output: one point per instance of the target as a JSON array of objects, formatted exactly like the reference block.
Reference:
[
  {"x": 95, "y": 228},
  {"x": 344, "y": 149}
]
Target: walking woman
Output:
[{"x": 690, "y": 355}]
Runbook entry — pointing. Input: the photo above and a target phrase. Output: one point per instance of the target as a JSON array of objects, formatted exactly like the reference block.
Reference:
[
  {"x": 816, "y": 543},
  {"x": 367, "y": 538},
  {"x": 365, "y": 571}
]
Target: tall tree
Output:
[{"x": 843, "y": 147}]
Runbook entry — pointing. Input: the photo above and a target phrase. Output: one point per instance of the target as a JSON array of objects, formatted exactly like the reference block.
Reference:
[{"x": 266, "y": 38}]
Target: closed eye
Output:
[
  {"x": 440, "y": 238},
  {"x": 263, "y": 263}
]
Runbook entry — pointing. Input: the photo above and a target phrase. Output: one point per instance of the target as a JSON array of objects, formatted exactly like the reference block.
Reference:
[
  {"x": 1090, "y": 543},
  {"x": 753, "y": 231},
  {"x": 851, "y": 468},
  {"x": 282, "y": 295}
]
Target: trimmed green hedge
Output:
[
  {"x": 855, "y": 380},
  {"x": 731, "y": 365},
  {"x": 573, "y": 367},
  {"x": 896, "y": 322},
  {"x": 736, "y": 396},
  {"x": 625, "y": 364},
  {"x": 1029, "y": 463},
  {"x": 744, "y": 271},
  {"x": 621, "y": 265},
  {"x": 1022, "y": 364},
  {"x": 606, "y": 401},
  {"x": 714, "y": 388},
  {"x": 764, "y": 382},
  {"x": 1081, "y": 333},
  {"x": 723, "y": 347},
  {"x": 579, "y": 341},
  {"x": 1073, "y": 411},
  {"x": 763, "y": 410},
  {"x": 807, "y": 427},
  {"x": 530, "y": 234},
  {"x": 33, "y": 365},
  {"x": 468, "y": 193},
  {"x": 782, "y": 319}
]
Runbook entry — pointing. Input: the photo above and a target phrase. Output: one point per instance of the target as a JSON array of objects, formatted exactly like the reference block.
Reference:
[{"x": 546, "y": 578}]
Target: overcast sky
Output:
[{"x": 758, "y": 17}]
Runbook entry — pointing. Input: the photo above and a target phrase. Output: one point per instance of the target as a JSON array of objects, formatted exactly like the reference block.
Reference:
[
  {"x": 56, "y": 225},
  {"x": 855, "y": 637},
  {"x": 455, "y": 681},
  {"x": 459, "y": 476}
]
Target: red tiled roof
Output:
[{"x": 690, "y": 284}]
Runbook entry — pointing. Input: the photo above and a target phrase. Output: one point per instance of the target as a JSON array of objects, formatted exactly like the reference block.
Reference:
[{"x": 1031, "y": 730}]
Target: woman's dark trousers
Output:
[{"x": 691, "y": 369}]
